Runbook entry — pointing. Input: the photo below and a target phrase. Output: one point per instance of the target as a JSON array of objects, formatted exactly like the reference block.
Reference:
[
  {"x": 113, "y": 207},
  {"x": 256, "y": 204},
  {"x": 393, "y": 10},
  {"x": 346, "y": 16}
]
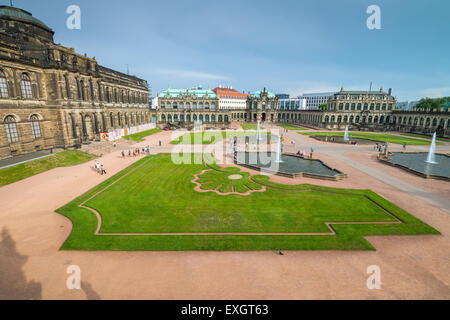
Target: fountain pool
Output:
[
  {"x": 417, "y": 163},
  {"x": 290, "y": 165}
]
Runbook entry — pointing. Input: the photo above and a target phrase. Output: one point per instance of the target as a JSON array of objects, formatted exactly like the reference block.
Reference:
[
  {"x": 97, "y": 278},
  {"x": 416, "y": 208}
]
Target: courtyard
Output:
[{"x": 136, "y": 255}]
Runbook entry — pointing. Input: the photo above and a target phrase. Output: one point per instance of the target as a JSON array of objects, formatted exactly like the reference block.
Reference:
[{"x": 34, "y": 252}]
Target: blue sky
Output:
[{"x": 288, "y": 46}]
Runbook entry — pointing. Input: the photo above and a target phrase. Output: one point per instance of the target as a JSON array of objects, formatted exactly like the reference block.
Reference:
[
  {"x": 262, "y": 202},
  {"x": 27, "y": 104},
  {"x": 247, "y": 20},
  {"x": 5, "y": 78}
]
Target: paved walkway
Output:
[{"x": 9, "y": 162}]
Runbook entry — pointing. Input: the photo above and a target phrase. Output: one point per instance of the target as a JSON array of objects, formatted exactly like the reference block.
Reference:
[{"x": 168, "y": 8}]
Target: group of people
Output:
[
  {"x": 302, "y": 154},
  {"x": 137, "y": 152},
  {"x": 381, "y": 148},
  {"x": 100, "y": 168}
]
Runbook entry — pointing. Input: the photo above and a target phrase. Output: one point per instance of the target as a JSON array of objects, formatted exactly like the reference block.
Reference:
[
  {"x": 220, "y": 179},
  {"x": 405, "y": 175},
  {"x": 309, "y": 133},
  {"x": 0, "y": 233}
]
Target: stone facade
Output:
[
  {"x": 182, "y": 108},
  {"x": 51, "y": 96}
]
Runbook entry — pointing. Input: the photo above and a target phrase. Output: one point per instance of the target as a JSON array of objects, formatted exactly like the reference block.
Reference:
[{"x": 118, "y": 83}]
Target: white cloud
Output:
[
  {"x": 435, "y": 92},
  {"x": 189, "y": 74}
]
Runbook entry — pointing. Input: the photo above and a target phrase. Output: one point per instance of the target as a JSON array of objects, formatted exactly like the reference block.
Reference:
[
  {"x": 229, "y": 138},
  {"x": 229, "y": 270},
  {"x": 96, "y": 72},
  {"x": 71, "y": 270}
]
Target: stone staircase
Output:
[{"x": 106, "y": 147}]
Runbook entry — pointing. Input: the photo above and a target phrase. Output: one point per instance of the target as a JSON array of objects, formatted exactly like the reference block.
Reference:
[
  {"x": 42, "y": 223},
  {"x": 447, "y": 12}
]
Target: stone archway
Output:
[{"x": 89, "y": 127}]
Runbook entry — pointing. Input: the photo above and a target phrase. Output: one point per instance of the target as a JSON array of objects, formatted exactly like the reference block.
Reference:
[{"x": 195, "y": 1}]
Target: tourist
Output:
[
  {"x": 103, "y": 171},
  {"x": 123, "y": 154},
  {"x": 160, "y": 143},
  {"x": 129, "y": 153},
  {"x": 312, "y": 152},
  {"x": 404, "y": 147}
]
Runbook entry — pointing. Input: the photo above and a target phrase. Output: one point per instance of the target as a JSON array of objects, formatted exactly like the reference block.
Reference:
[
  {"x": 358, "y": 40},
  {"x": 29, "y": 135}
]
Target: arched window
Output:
[
  {"x": 11, "y": 129},
  {"x": 200, "y": 105},
  {"x": 99, "y": 88},
  {"x": 25, "y": 86},
  {"x": 207, "y": 105},
  {"x": 111, "y": 119},
  {"x": 35, "y": 126},
  {"x": 194, "y": 105},
  {"x": 435, "y": 122},
  {"x": 188, "y": 105},
  {"x": 3, "y": 85},
  {"x": 82, "y": 93}
]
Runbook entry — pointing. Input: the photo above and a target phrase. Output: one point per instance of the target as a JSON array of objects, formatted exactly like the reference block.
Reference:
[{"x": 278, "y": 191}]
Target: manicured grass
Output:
[
  {"x": 373, "y": 136},
  {"x": 424, "y": 137},
  {"x": 292, "y": 127},
  {"x": 25, "y": 170},
  {"x": 251, "y": 126},
  {"x": 159, "y": 197},
  {"x": 211, "y": 137},
  {"x": 139, "y": 137}
]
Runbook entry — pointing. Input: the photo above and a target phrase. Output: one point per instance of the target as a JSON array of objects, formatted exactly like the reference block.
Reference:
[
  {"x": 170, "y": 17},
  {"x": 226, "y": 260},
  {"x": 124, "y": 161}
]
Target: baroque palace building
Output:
[
  {"x": 368, "y": 111},
  {"x": 52, "y": 97},
  {"x": 217, "y": 108}
]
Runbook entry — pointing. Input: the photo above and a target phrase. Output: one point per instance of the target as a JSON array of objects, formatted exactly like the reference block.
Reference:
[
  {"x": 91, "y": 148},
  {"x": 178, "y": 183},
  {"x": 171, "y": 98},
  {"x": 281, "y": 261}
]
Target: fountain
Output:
[
  {"x": 346, "y": 134},
  {"x": 431, "y": 154},
  {"x": 258, "y": 132},
  {"x": 279, "y": 151},
  {"x": 429, "y": 165}
]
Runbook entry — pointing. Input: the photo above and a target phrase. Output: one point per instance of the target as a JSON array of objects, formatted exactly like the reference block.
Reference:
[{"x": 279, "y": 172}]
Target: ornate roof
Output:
[
  {"x": 257, "y": 94},
  {"x": 19, "y": 14},
  {"x": 179, "y": 93}
]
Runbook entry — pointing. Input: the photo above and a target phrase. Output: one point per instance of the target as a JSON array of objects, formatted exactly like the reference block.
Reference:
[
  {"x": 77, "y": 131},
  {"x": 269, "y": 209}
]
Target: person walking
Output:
[
  {"x": 97, "y": 166},
  {"x": 312, "y": 152},
  {"x": 404, "y": 147},
  {"x": 103, "y": 171},
  {"x": 123, "y": 154}
]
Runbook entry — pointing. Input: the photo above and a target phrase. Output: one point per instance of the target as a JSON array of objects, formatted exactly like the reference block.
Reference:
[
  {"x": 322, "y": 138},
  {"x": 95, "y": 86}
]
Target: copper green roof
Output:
[
  {"x": 257, "y": 94},
  {"x": 178, "y": 93},
  {"x": 19, "y": 14}
]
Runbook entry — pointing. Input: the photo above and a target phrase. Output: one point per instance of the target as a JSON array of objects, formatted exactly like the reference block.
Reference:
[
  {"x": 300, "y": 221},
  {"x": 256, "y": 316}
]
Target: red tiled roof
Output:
[{"x": 226, "y": 92}]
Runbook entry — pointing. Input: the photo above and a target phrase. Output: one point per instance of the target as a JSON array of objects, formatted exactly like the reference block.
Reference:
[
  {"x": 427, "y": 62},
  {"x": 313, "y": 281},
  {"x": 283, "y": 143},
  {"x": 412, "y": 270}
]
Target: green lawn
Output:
[
  {"x": 250, "y": 126},
  {"x": 373, "y": 136},
  {"x": 28, "y": 169},
  {"x": 211, "y": 137},
  {"x": 138, "y": 137},
  {"x": 424, "y": 137},
  {"x": 158, "y": 196},
  {"x": 292, "y": 127}
]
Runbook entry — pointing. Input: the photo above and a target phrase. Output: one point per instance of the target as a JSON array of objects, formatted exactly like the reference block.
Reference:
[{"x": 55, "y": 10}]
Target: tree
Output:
[
  {"x": 429, "y": 104},
  {"x": 323, "y": 106}
]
